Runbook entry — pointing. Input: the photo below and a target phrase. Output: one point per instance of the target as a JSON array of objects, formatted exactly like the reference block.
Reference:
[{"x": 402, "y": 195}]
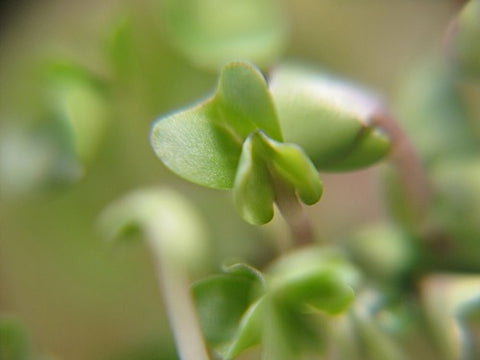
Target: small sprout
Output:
[
  {"x": 297, "y": 289},
  {"x": 233, "y": 139},
  {"x": 177, "y": 240},
  {"x": 332, "y": 120},
  {"x": 172, "y": 227},
  {"x": 212, "y": 32}
]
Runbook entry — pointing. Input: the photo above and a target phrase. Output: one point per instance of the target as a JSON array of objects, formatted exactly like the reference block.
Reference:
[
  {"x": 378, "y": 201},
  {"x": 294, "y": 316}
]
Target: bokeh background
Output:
[{"x": 77, "y": 296}]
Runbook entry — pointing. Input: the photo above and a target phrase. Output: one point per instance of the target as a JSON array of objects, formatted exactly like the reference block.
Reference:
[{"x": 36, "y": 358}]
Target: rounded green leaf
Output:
[
  {"x": 171, "y": 225},
  {"x": 212, "y": 32},
  {"x": 221, "y": 301},
  {"x": 332, "y": 120},
  {"x": 430, "y": 109},
  {"x": 192, "y": 146},
  {"x": 203, "y": 143}
]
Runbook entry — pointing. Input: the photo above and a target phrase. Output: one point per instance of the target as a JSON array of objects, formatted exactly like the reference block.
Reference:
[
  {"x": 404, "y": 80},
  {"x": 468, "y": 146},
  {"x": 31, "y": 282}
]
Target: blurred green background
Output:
[{"x": 80, "y": 298}]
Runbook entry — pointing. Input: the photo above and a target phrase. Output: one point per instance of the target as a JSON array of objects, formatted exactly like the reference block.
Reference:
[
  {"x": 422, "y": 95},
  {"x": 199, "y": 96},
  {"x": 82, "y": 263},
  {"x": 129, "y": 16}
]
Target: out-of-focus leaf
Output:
[
  {"x": 14, "y": 344},
  {"x": 212, "y": 32},
  {"x": 172, "y": 226},
  {"x": 446, "y": 298},
  {"x": 313, "y": 278},
  {"x": 120, "y": 47},
  {"x": 202, "y": 144},
  {"x": 385, "y": 251},
  {"x": 32, "y": 161},
  {"x": 467, "y": 38},
  {"x": 79, "y": 101},
  {"x": 250, "y": 329},
  {"x": 430, "y": 109},
  {"x": 331, "y": 119},
  {"x": 221, "y": 301},
  {"x": 311, "y": 260},
  {"x": 456, "y": 209}
]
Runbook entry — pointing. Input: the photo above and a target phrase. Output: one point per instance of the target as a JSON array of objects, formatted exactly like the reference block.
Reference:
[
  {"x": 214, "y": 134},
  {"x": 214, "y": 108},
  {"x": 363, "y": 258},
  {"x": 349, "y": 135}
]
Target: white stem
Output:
[{"x": 175, "y": 288}]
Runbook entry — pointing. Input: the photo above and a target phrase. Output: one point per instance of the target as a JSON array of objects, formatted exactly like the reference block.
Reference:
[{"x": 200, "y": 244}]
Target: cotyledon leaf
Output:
[
  {"x": 203, "y": 143},
  {"x": 331, "y": 119},
  {"x": 262, "y": 160}
]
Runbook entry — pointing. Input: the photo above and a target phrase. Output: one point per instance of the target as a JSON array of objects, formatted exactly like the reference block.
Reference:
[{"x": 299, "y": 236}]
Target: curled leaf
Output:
[{"x": 262, "y": 160}]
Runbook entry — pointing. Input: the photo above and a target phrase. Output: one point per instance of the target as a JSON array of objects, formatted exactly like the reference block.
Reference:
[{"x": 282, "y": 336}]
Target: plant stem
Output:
[
  {"x": 175, "y": 289},
  {"x": 408, "y": 166},
  {"x": 293, "y": 212}
]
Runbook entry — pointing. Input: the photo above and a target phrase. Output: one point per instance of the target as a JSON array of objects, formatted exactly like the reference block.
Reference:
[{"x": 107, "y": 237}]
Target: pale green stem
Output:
[
  {"x": 293, "y": 212},
  {"x": 175, "y": 289}
]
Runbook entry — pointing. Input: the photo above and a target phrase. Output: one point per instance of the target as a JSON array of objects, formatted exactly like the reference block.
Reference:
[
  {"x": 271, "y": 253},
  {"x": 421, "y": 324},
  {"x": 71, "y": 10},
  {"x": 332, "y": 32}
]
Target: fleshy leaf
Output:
[
  {"x": 291, "y": 163},
  {"x": 203, "y": 143},
  {"x": 332, "y": 120},
  {"x": 245, "y": 102},
  {"x": 221, "y": 301},
  {"x": 212, "y": 32},
  {"x": 253, "y": 192},
  {"x": 172, "y": 227},
  {"x": 262, "y": 160}
]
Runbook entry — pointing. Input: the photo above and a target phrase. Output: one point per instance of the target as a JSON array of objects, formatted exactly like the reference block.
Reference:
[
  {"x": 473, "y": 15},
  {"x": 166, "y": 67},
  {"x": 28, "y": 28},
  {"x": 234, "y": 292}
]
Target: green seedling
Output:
[{"x": 177, "y": 239}]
